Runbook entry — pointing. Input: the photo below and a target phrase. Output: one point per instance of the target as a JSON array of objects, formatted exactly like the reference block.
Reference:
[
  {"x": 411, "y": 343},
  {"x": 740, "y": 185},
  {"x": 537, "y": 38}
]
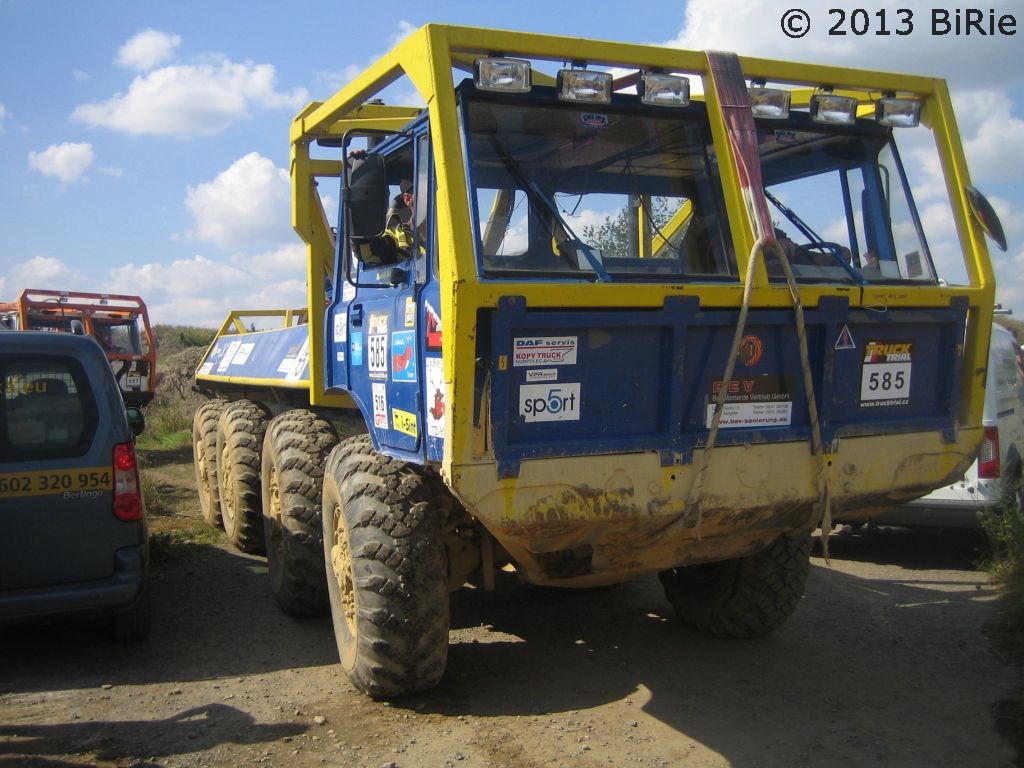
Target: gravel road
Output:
[{"x": 885, "y": 663}]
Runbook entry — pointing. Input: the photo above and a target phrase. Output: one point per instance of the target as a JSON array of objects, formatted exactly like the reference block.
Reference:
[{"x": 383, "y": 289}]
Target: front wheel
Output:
[
  {"x": 742, "y": 598},
  {"x": 386, "y": 571}
]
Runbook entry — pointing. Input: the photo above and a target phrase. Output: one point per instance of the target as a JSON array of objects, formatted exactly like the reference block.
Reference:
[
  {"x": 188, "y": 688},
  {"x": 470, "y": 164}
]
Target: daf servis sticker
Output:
[
  {"x": 549, "y": 402},
  {"x": 544, "y": 350},
  {"x": 885, "y": 374}
]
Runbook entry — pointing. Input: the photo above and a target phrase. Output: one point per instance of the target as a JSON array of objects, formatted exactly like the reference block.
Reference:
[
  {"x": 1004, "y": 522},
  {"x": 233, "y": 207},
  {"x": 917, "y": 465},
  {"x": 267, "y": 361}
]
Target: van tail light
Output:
[
  {"x": 127, "y": 497},
  {"x": 988, "y": 457}
]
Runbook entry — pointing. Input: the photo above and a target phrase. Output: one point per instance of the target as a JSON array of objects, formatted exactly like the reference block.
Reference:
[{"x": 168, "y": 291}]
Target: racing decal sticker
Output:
[
  {"x": 229, "y": 354},
  {"x": 410, "y": 312},
  {"x": 301, "y": 361},
  {"x": 594, "y": 120},
  {"x": 544, "y": 350},
  {"x": 752, "y": 403},
  {"x": 751, "y": 350},
  {"x": 885, "y": 374},
  {"x": 377, "y": 345},
  {"x": 341, "y": 327},
  {"x": 356, "y": 347},
  {"x": 404, "y": 422},
  {"x": 433, "y": 328},
  {"x": 437, "y": 397},
  {"x": 547, "y": 402},
  {"x": 403, "y": 365},
  {"x": 542, "y": 374},
  {"x": 242, "y": 354},
  {"x": 77, "y": 483},
  {"x": 380, "y": 405}
]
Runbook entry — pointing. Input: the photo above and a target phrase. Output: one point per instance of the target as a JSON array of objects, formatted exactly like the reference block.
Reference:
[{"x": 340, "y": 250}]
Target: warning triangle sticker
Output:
[{"x": 845, "y": 340}]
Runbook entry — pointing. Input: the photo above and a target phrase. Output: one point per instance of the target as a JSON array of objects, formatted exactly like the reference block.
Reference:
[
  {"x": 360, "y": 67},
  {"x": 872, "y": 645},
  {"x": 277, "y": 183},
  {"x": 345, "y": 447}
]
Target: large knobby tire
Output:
[
  {"x": 386, "y": 571},
  {"x": 204, "y": 458},
  {"x": 295, "y": 452},
  {"x": 743, "y": 598},
  {"x": 240, "y": 432}
]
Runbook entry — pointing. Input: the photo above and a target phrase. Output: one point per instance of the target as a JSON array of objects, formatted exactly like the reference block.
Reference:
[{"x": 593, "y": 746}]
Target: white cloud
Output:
[
  {"x": 248, "y": 204},
  {"x": 147, "y": 49},
  {"x": 38, "y": 272},
  {"x": 969, "y": 60},
  {"x": 3, "y": 116},
  {"x": 200, "y": 291},
  {"x": 190, "y": 100},
  {"x": 67, "y": 161}
]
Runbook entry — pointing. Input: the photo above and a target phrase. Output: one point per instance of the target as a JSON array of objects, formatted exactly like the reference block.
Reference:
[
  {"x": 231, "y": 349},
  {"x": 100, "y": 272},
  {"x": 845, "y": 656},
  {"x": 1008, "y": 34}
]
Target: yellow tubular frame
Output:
[{"x": 427, "y": 57}]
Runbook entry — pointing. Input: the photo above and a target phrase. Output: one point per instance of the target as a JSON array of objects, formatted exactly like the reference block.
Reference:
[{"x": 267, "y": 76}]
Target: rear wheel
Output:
[
  {"x": 204, "y": 458},
  {"x": 386, "y": 571},
  {"x": 294, "y": 454},
  {"x": 240, "y": 432},
  {"x": 742, "y": 598}
]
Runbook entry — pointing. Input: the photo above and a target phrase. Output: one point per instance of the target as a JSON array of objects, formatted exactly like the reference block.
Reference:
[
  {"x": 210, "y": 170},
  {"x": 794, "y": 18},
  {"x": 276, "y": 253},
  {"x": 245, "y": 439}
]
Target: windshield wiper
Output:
[{"x": 588, "y": 252}]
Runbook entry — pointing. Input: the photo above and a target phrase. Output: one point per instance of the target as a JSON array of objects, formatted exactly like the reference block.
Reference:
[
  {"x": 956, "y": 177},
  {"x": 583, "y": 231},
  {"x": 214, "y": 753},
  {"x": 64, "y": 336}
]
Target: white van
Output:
[{"x": 957, "y": 505}]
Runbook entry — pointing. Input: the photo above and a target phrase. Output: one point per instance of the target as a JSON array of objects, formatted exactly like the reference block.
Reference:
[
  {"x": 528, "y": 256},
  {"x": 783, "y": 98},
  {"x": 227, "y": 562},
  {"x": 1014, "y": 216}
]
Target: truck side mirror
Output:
[{"x": 366, "y": 196}]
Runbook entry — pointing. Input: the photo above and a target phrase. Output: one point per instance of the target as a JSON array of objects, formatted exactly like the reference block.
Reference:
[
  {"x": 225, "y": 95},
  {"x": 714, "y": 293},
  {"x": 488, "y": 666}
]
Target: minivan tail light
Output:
[
  {"x": 988, "y": 457},
  {"x": 127, "y": 497}
]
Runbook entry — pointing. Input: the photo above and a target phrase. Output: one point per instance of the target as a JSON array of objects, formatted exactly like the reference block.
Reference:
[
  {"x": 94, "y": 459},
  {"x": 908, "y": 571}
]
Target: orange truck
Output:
[{"x": 119, "y": 323}]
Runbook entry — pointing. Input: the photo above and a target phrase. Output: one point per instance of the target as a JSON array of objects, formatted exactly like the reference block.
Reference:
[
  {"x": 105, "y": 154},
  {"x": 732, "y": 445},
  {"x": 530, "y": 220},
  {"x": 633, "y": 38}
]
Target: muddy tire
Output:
[
  {"x": 204, "y": 458},
  {"x": 294, "y": 455},
  {"x": 386, "y": 571},
  {"x": 742, "y": 598},
  {"x": 240, "y": 432}
]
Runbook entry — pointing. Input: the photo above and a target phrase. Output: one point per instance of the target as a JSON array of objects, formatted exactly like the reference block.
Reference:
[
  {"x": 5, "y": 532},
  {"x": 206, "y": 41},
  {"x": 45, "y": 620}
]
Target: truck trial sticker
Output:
[
  {"x": 405, "y": 422},
  {"x": 544, "y": 350},
  {"x": 549, "y": 402},
  {"x": 437, "y": 397},
  {"x": 403, "y": 366},
  {"x": 65, "y": 481},
  {"x": 885, "y": 374}
]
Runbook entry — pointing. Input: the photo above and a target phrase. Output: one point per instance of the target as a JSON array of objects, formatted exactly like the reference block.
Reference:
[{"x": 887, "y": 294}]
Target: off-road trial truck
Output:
[
  {"x": 120, "y": 323},
  {"x": 656, "y": 311}
]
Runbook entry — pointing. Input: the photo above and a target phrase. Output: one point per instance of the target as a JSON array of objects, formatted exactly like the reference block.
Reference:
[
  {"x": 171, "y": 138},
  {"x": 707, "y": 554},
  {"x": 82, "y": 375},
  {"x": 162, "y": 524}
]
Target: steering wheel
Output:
[{"x": 838, "y": 252}]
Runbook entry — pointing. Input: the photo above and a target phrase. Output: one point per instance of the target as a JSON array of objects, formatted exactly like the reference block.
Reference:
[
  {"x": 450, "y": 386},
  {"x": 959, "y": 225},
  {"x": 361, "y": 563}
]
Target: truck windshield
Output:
[{"x": 627, "y": 193}]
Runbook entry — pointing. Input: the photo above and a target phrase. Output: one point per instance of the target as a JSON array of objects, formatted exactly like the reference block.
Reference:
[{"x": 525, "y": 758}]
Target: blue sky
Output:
[{"x": 144, "y": 146}]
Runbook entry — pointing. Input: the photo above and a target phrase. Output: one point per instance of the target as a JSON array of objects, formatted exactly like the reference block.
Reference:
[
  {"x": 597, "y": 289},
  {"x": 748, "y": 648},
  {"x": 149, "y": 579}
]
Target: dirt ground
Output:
[{"x": 885, "y": 663}]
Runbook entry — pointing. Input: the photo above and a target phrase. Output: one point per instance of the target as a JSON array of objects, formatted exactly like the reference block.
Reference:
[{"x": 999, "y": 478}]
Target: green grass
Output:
[{"x": 1005, "y": 530}]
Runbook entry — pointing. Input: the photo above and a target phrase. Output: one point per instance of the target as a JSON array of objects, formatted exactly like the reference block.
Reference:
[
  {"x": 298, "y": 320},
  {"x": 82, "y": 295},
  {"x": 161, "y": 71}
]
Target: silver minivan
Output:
[
  {"x": 73, "y": 538},
  {"x": 958, "y": 504}
]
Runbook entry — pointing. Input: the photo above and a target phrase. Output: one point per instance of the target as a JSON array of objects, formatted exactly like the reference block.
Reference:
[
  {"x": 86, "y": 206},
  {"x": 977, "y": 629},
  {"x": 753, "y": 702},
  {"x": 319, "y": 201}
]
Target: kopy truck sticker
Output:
[
  {"x": 549, "y": 402},
  {"x": 544, "y": 350},
  {"x": 885, "y": 374}
]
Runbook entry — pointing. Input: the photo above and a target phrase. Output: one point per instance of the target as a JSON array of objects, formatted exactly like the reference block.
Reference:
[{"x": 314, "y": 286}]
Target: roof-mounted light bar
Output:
[
  {"x": 499, "y": 74},
  {"x": 584, "y": 85},
  {"x": 827, "y": 107},
  {"x": 664, "y": 90},
  {"x": 770, "y": 103},
  {"x": 898, "y": 113}
]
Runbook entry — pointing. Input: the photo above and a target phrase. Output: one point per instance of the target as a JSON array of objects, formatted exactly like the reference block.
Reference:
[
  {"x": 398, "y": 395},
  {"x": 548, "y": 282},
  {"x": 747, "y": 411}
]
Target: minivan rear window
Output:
[{"x": 48, "y": 409}]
